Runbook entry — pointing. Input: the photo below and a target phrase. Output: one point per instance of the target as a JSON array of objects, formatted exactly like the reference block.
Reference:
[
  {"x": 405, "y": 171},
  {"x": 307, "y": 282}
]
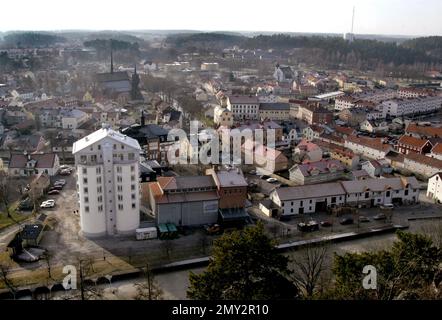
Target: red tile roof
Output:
[
  {"x": 424, "y": 130},
  {"x": 437, "y": 149},
  {"x": 373, "y": 143},
  {"x": 344, "y": 130},
  {"x": 413, "y": 142}
]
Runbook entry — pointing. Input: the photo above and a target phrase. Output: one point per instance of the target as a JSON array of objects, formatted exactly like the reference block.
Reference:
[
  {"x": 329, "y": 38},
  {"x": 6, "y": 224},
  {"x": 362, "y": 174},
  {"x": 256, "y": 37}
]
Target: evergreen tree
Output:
[{"x": 245, "y": 266}]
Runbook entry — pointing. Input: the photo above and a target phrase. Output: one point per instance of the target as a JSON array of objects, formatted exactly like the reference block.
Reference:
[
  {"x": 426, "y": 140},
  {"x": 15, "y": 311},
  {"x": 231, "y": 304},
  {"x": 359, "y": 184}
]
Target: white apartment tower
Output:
[{"x": 107, "y": 183}]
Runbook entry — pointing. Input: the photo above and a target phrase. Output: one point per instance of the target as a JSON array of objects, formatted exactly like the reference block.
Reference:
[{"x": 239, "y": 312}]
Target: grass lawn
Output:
[{"x": 17, "y": 216}]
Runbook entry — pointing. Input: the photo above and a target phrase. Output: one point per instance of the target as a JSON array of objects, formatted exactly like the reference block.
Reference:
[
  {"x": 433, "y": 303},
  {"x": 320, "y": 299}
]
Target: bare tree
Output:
[
  {"x": 274, "y": 229},
  {"x": 5, "y": 192},
  {"x": 4, "y": 275},
  {"x": 35, "y": 194},
  {"x": 86, "y": 270},
  {"x": 434, "y": 230},
  {"x": 47, "y": 257},
  {"x": 204, "y": 242},
  {"x": 167, "y": 246},
  {"x": 308, "y": 268},
  {"x": 148, "y": 289}
]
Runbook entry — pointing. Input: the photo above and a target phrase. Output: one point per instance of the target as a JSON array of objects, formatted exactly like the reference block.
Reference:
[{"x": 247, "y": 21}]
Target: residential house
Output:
[
  {"x": 274, "y": 111},
  {"x": 307, "y": 90},
  {"x": 372, "y": 127},
  {"x": 344, "y": 132},
  {"x": 421, "y": 164},
  {"x": 72, "y": 119},
  {"x": 307, "y": 151},
  {"x": 22, "y": 165},
  {"x": 312, "y": 132},
  {"x": 268, "y": 128},
  {"x": 173, "y": 118},
  {"x": 314, "y": 114},
  {"x": 416, "y": 163},
  {"x": 424, "y": 132},
  {"x": 407, "y": 144},
  {"x": 293, "y": 201},
  {"x": 345, "y": 102},
  {"x": 63, "y": 147},
  {"x": 223, "y": 117},
  {"x": 345, "y": 156},
  {"x": 434, "y": 189},
  {"x": 266, "y": 158},
  {"x": 283, "y": 73},
  {"x": 244, "y": 107},
  {"x": 317, "y": 172},
  {"x": 407, "y": 93},
  {"x": 14, "y": 116},
  {"x": 353, "y": 116},
  {"x": 372, "y": 148},
  {"x": 152, "y": 138},
  {"x": 402, "y": 107},
  {"x": 333, "y": 138},
  {"x": 436, "y": 151},
  {"x": 49, "y": 118},
  {"x": 360, "y": 175},
  {"x": 29, "y": 143},
  {"x": 375, "y": 192},
  {"x": 376, "y": 168}
]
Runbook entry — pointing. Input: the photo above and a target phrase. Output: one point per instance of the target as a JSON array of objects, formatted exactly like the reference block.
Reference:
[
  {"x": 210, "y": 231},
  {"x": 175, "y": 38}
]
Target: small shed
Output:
[{"x": 32, "y": 234}]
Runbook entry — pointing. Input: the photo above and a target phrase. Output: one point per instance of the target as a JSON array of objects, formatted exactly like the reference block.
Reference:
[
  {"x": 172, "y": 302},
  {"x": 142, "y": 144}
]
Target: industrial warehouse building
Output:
[
  {"x": 183, "y": 200},
  {"x": 219, "y": 196}
]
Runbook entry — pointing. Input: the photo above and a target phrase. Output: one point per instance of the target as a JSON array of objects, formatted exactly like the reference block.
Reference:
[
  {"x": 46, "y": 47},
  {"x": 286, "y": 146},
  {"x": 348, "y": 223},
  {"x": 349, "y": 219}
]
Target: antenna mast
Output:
[{"x": 352, "y": 19}]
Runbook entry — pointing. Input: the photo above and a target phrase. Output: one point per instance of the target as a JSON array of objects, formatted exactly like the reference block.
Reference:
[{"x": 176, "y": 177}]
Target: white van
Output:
[{"x": 146, "y": 233}]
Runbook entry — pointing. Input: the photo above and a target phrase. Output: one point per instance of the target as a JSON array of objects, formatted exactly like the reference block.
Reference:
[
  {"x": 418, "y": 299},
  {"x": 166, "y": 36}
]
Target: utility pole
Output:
[
  {"x": 148, "y": 282},
  {"x": 81, "y": 282},
  {"x": 352, "y": 20}
]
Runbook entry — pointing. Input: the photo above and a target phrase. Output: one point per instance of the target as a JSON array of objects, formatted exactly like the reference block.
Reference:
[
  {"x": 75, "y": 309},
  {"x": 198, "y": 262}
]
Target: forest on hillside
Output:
[{"x": 411, "y": 52}]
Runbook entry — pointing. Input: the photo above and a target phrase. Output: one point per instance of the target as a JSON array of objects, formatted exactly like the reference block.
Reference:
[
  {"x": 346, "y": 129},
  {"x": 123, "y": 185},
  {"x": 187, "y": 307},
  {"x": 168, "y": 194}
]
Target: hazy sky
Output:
[{"x": 399, "y": 17}]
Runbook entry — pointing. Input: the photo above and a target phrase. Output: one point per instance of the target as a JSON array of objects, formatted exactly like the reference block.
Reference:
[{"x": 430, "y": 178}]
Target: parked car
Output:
[
  {"x": 26, "y": 204},
  {"x": 53, "y": 192},
  {"x": 48, "y": 204},
  {"x": 345, "y": 221},
  {"x": 252, "y": 172},
  {"x": 380, "y": 216},
  {"x": 213, "y": 229},
  {"x": 326, "y": 223},
  {"x": 264, "y": 177},
  {"x": 309, "y": 226},
  {"x": 387, "y": 206},
  {"x": 60, "y": 181},
  {"x": 364, "y": 219},
  {"x": 65, "y": 172},
  {"x": 56, "y": 187},
  {"x": 285, "y": 217},
  {"x": 272, "y": 180}
]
